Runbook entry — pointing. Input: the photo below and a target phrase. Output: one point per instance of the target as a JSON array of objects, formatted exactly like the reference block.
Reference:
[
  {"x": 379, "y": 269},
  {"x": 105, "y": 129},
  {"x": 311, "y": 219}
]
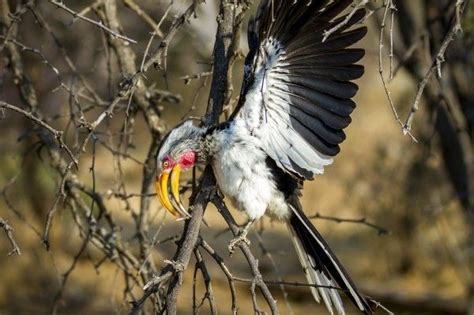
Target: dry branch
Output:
[
  {"x": 158, "y": 59},
  {"x": 142, "y": 14},
  {"x": 77, "y": 15},
  {"x": 229, "y": 22},
  {"x": 435, "y": 67},
  {"x": 9, "y": 233},
  {"x": 252, "y": 261},
  {"x": 341, "y": 24},
  {"x": 388, "y": 6},
  {"x": 438, "y": 60},
  {"x": 58, "y": 135},
  {"x": 380, "y": 230}
]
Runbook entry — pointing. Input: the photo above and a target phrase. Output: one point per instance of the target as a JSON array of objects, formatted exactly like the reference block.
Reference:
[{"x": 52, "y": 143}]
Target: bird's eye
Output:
[{"x": 166, "y": 164}]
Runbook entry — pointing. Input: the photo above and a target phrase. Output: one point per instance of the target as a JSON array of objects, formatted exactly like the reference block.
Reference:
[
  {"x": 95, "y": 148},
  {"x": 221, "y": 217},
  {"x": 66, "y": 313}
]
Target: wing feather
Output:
[
  {"x": 344, "y": 73},
  {"x": 335, "y": 88},
  {"x": 339, "y": 41},
  {"x": 332, "y": 58},
  {"x": 304, "y": 160},
  {"x": 336, "y": 105},
  {"x": 303, "y": 123},
  {"x": 297, "y": 95},
  {"x": 301, "y": 106}
]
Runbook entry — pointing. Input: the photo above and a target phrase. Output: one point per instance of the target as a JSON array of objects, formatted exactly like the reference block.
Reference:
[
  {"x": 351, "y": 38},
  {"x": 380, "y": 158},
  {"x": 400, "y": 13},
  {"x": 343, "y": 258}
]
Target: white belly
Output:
[{"x": 243, "y": 175}]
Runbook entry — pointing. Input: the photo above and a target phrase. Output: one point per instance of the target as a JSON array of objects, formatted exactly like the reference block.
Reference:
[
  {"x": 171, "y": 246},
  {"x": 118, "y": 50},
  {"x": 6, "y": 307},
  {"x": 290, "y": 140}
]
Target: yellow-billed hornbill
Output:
[{"x": 295, "y": 102}]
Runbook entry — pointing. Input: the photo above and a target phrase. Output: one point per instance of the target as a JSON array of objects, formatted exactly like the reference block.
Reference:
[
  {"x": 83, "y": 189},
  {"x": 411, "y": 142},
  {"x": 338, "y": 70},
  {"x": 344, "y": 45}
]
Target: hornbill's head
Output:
[{"x": 180, "y": 151}]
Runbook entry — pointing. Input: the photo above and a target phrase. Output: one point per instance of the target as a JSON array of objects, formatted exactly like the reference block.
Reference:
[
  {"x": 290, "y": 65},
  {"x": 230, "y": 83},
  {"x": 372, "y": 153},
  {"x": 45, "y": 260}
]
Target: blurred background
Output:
[{"x": 90, "y": 236}]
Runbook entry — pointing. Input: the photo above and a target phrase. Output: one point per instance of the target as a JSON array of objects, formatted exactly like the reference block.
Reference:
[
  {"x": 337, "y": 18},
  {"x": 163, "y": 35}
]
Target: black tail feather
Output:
[{"x": 323, "y": 260}]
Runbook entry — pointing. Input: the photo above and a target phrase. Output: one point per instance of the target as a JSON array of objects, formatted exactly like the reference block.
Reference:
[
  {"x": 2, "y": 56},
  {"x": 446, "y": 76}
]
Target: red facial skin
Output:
[{"x": 186, "y": 160}]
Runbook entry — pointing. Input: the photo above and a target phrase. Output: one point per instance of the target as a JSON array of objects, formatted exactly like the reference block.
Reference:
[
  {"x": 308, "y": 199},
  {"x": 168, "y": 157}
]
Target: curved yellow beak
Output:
[{"x": 174, "y": 206}]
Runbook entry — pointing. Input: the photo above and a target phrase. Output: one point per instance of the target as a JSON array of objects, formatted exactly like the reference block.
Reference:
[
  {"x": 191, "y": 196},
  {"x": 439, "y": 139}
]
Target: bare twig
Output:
[
  {"x": 380, "y": 230},
  {"x": 9, "y": 232},
  {"x": 346, "y": 20},
  {"x": 268, "y": 254},
  {"x": 230, "y": 278},
  {"x": 408, "y": 54},
  {"x": 208, "y": 295},
  {"x": 188, "y": 78},
  {"x": 57, "y": 134},
  {"x": 142, "y": 14},
  {"x": 75, "y": 14},
  {"x": 159, "y": 57},
  {"x": 145, "y": 55},
  {"x": 287, "y": 283},
  {"x": 393, "y": 9},
  {"x": 388, "y": 6},
  {"x": 435, "y": 64}
]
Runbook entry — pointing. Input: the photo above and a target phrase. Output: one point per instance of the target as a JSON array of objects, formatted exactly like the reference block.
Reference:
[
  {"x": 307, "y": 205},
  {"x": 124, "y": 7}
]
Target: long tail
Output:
[{"x": 321, "y": 266}]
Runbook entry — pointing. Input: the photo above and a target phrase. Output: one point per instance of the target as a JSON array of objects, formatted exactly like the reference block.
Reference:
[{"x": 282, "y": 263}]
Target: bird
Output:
[{"x": 287, "y": 126}]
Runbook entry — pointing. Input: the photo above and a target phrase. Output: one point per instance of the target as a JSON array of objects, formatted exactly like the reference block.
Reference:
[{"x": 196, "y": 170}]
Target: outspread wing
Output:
[{"x": 297, "y": 90}]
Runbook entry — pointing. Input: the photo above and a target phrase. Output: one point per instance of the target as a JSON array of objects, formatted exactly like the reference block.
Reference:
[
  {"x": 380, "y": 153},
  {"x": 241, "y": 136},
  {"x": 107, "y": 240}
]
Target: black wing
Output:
[{"x": 296, "y": 95}]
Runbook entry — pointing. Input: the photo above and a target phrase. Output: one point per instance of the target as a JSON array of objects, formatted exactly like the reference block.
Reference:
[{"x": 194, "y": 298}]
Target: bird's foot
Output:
[
  {"x": 241, "y": 238},
  {"x": 177, "y": 266}
]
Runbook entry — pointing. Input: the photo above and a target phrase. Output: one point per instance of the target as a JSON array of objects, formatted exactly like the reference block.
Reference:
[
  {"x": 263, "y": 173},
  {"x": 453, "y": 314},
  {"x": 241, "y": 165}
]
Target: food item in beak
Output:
[{"x": 177, "y": 209}]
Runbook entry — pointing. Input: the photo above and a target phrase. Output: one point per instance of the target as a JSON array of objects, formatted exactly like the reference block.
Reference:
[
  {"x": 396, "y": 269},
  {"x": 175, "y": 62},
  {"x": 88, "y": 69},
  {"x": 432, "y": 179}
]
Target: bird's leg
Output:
[{"x": 241, "y": 238}]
